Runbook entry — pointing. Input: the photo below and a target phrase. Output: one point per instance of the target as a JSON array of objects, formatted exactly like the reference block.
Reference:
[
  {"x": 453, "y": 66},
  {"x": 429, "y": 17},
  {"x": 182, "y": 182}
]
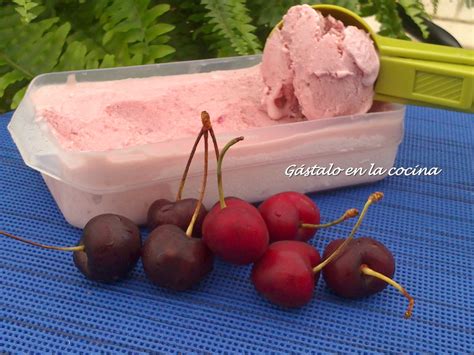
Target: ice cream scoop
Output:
[
  {"x": 416, "y": 73},
  {"x": 317, "y": 67}
]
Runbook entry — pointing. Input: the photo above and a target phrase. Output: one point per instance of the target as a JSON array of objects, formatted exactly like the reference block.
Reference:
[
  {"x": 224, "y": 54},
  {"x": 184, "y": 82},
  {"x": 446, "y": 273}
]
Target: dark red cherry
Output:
[
  {"x": 107, "y": 251},
  {"x": 363, "y": 268},
  {"x": 112, "y": 246},
  {"x": 173, "y": 260},
  {"x": 343, "y": 275},
  {"x": 178, "y": 213}
]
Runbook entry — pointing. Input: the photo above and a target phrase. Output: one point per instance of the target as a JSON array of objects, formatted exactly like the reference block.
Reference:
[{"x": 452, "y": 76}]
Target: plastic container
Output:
[{"x": 127, "y": 181}]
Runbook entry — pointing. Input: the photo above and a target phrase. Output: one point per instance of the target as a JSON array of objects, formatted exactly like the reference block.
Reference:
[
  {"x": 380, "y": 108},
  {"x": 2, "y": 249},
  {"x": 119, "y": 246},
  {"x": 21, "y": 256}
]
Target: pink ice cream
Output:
[
  {"x": 99, "y": 116},
  {"x": 316, "y": 67}
]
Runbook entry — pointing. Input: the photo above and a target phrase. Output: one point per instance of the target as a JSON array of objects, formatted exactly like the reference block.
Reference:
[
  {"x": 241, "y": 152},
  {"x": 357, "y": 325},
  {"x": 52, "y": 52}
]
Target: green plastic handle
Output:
[
  {"x": 416, "y": 73},
  {"x": 425, "y": 74}
]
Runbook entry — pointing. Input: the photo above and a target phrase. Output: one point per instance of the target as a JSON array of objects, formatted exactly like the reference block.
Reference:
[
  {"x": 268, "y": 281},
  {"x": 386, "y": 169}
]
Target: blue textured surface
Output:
[{"x": 427, "y": 222}]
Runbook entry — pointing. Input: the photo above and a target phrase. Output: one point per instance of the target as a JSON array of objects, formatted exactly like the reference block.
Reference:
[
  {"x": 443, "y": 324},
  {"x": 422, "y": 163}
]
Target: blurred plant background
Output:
[{"x": 39, "y": 36}]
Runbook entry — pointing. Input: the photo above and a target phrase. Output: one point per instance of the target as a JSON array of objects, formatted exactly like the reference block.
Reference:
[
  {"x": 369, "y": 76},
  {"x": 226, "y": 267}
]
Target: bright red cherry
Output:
[
  {"x": 294, "y": 216},
  {"x": 235, "y": 232},
  {"x": 284, "y": 275}
]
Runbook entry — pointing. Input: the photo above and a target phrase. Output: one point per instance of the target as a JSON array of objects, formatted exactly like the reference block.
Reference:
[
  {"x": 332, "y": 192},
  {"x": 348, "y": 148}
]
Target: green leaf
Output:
[
  {"x": 18, "y": 97},
  {"x": 415, "y": 10},
  {"x": 159, "y": 51},
  {"x": 232, "y": 24},
  {"x": 8, "y": 79},
  {"x": 25, "y": 8},
  {"x": 73, "y": 58},
  {"x": 155, "y": 12},
  {"x": 387, "y": 15},
  {"x": 157, "y": 30},
  {"x": 108, "y": 61}
]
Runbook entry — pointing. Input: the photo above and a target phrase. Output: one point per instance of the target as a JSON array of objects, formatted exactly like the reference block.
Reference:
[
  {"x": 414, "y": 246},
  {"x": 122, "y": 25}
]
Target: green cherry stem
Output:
[
  {"x": 219, "y": 169},
  {"x": 189, "y": 230},
  {"x": 76, "y": 248},
  {"x": 351, "y": 213},
  {"x": 376, "y": 196}
]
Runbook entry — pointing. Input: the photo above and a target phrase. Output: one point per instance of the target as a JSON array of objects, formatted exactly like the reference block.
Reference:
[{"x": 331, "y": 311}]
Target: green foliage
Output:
[
  {"x": 38, "y": 36},
  {"x": 386, "y": 13},
  {"x": 415, "y": 9},
  {"x": 231, "y": 23},
  {"x": 26, "y": 10},
  {"x": 44, "y": 36}
]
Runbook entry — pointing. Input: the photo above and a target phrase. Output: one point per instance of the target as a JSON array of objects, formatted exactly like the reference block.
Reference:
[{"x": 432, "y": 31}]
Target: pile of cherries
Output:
[{"x": 184, "y": 238}]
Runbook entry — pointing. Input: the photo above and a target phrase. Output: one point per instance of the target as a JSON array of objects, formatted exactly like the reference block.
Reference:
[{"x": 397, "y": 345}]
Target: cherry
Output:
[
  {"x": 173, "y": 260},
  {"x": 364, "y": 268},
  {"x": 235, "y": 232},
  {"x": 289, "y": 270},
  {"x": 294, "y": 216},
  {"x": 108, "y": 249},
  {"x": 179, "y": 213},
  {"x": 284, "y": 274},
  {"x": 171, "y": 257},
  {"x": 232, "y": 201}
]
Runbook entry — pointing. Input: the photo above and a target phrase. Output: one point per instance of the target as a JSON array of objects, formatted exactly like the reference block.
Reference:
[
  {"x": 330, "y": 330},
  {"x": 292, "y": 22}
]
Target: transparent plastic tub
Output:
[{"x": 127, "y": 181}]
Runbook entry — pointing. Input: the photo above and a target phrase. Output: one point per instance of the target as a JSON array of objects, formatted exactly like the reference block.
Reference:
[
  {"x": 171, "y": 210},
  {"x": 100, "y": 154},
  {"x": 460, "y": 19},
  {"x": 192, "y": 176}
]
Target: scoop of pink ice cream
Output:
[{"x": 316, "y": 67}]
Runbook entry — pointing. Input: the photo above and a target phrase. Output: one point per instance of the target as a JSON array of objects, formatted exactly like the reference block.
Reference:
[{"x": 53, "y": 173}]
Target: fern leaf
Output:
[
  {"x": 152, "y": 14},
  {"x": 108, "y": 61},
  {"x": 231, "y": 22},
  {"x": 415, "y": 10},
  {"x": 159, "y": 51},
  {"x": 32, "y": 48},
  {"x": 159, "y": 29},
  {"x": 8, "y": 79},
  {"x": 74, "y": 57},
  {"x": 18, "y": 97},
  {"x": 387, "y": 15},
  {"x": 26, "y": 9},
  {"x": 130, "y": 27}
]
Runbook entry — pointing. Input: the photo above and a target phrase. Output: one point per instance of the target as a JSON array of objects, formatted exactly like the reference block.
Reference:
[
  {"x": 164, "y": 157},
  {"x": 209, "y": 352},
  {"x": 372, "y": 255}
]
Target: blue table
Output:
[{"x": 427, "y": 222}]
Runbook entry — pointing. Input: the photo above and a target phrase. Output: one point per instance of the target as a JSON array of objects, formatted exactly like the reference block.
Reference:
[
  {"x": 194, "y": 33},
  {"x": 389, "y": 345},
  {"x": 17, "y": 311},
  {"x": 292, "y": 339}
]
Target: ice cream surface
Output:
[
  {"x": 100, "y": 116},
  {"x": 317, "y": 67}
]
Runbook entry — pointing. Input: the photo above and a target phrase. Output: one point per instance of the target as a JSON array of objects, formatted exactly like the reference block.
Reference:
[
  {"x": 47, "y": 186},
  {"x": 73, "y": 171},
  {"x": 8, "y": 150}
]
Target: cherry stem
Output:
[
  {"x": 189, "y": 231},
  {"x": 206, "y": 126},
  {"x": 214, "y": 142},
  {"x": 411, "y": 301},
  {"x": 376, "y": 196},
  {"x": 205, "y": 116},
  {"x": 351, "y": 213},
  {"x": 76, "y": 248},
  {"x": 219, "y": 169}
]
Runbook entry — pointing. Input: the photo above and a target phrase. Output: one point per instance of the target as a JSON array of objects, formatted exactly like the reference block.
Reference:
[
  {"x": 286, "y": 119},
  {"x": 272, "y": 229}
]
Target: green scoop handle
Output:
[{"x": 417, "y": 73}]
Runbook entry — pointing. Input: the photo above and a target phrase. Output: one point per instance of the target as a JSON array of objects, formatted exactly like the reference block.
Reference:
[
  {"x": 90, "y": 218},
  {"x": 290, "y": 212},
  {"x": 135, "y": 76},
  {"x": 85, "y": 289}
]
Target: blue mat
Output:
[{"x": 427, "y": 222}]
